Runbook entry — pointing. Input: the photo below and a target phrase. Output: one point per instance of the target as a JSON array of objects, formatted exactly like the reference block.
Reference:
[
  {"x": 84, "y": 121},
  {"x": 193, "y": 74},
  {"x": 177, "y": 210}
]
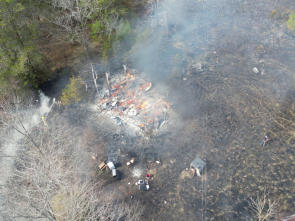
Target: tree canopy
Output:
[{"x": 22, "y": 62}]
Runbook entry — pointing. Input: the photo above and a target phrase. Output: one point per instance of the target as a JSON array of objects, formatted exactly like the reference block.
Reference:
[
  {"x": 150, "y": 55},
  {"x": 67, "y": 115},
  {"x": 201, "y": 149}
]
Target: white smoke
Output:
[
  {"x": 29, "y": 118},
  {"x": 137, "y": 172}
]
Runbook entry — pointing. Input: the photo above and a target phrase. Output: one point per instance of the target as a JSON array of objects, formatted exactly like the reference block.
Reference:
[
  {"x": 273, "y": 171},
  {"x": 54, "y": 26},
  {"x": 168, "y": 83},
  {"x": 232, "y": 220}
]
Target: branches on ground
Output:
[
  {"x": 57, "y": 183},
  {"x": 72, "y": 17},
  {"x": 87, "y": 202},
  {"x": 13, "y": 112},
  {"x": 263, "y": 207},
  {"x": 53, "y": 187}
]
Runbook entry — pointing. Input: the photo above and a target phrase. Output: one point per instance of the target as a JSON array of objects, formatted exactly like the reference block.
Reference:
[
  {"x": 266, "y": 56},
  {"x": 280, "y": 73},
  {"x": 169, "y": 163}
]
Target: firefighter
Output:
[
  {"x": 264, "y": 141},
  {"x": 44, "y": 120}
]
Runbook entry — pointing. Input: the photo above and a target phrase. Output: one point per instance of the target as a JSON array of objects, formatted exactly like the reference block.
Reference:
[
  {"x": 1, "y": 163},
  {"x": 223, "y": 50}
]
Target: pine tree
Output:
[{"x": 19, "y": 59}]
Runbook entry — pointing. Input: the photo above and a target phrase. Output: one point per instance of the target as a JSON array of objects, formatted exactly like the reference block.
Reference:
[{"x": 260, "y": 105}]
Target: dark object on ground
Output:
[
  {"x": 143, "y": 185},
  {"x": 119, "y": 175},
  {"x": 150, "y": 155},
  {"x": 198, "y": 165}
]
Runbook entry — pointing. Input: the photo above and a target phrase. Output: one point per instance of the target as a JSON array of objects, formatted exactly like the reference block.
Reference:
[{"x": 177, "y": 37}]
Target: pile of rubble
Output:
[{"x": 129, "y": 99}]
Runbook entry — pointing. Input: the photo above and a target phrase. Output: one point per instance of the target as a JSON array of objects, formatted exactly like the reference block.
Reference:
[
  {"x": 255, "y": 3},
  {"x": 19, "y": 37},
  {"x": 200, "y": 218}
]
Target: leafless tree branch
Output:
[
  {"x": 53, "y": 181},
  {"x": 263, "y": 207}
]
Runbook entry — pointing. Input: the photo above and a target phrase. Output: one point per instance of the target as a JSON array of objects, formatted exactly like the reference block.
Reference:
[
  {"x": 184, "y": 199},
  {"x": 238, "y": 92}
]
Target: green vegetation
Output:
[
  {"x": 27, "y": 26},
  {"x": 124, "y": 29},
  {"x": 291, "y": 21},
  {"x": 111, "y": 25},
  {"x": 20, "y": 62},
  {"x": 74, "y": 92},
  {"x": 114, "y": 43}
]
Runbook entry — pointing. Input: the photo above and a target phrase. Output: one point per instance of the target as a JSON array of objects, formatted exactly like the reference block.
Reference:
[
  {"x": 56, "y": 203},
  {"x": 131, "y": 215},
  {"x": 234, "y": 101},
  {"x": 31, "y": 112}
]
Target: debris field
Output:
[{"x": 131, "y": 100}]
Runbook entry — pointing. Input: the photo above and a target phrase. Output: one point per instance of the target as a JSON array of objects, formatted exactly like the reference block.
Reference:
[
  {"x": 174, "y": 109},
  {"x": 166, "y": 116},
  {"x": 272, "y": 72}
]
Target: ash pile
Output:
[{"x": 131, "y": 101}]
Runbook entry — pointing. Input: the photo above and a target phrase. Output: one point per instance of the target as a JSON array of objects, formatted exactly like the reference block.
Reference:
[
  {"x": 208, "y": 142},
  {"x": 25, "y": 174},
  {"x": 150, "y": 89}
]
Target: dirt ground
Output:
[
  {"x": 225, "y": 111},
  {"x": 231, "y": 88}
]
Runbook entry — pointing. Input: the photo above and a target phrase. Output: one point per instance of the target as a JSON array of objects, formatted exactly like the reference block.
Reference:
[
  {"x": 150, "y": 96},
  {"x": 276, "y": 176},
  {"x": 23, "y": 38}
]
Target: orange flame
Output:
[
  {"x": 131, "y": 76},
  {"x": 141, "y": 125}
]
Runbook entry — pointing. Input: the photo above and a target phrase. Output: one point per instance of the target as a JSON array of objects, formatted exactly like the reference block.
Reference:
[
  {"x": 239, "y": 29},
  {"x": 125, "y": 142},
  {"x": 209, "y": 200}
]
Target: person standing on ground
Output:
[{"x": 264, "y": 141}]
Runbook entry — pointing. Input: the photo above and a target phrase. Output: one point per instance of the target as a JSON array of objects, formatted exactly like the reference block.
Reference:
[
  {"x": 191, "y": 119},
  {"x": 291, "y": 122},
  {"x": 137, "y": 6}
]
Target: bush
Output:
[
  {"x": 291, "y": 21},
  {"x": 74, "y": 92},
  {"x": 96, "y": 28},
  {"x": 124, "y": 29}
]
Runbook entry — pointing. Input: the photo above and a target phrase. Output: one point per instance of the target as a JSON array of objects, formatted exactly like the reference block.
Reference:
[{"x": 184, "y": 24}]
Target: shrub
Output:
[
  {"x": 291, "y": 21},
  {"x": 96, "y": 28},
  {"x": 124, "y": 29},
  {"x": 74, "y": 92}
]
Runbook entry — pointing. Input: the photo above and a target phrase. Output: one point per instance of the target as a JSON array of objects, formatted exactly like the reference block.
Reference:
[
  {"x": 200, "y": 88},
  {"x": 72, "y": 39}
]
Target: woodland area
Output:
[{"x": 37, "y": 37}]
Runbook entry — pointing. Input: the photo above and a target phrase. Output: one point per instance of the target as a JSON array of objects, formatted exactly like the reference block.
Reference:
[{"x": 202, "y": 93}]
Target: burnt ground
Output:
[{"x": 225, "y": 109}]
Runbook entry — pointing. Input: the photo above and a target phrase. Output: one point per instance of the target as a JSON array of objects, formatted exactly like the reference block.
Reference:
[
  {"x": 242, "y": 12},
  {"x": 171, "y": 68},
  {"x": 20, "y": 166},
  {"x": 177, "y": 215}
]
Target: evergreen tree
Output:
[{"x": 19, "y": 59}]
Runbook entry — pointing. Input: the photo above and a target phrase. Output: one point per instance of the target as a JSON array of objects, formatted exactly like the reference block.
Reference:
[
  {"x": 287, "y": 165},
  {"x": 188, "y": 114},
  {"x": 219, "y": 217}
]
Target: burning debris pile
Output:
[{"x": 129, "y": 99}]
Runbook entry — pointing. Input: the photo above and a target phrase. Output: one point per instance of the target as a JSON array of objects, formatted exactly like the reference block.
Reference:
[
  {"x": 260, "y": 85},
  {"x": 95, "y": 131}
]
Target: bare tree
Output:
[
  {"x": 52, "y": 179},
  {"x": 73, "y": 16},
  {"x": 263, "y": 207},
  {"x": 85, "y": 202},
  {"x": 15, "y": 111}
]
